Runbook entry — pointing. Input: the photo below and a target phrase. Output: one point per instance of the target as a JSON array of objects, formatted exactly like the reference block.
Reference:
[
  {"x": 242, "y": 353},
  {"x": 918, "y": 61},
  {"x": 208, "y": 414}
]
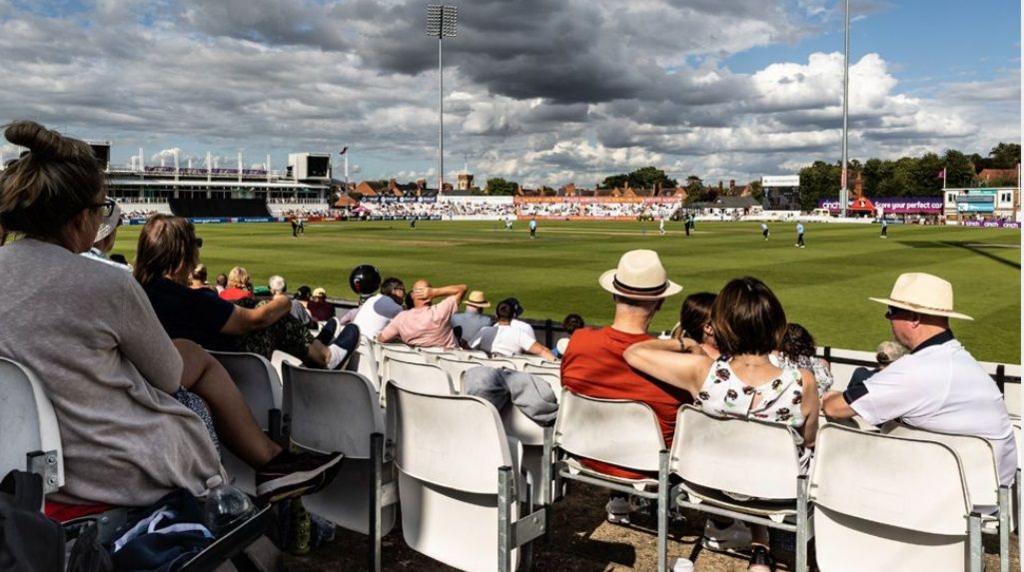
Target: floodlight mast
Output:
[
  {"x": 441, "y": 23},
  {"x": 844, "y": 191}
]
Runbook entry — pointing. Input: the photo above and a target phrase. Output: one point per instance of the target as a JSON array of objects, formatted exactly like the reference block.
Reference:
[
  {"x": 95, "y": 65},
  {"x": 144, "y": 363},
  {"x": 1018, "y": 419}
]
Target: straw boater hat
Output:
[
  {"x": 640, "y": 276},
  {"x": 109, "y": 224},
  {"x": 477, "y": 300},
  {"x": 924, "y": 294}
]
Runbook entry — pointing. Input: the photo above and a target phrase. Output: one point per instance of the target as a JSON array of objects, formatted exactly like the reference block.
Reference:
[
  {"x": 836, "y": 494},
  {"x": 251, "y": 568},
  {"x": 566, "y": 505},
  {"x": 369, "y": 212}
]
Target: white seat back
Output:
[
  {"x": 736, "y": 455},
  {"x": 364, "y": 363},
  {"x": 416, "y": 376},
  {"x": 882, "y": 502},
  {"x": 338, "y": 411},
  {"x": 1011, "y": 394},
  {"x": 465, "y": 354},
  {"x": 258, "y": 381},
  {"x": 455, "y": 369},
  {"x": 620, "y": 432},
  {"x": 977, "y": 459},
  {"x": 553, "y": 379},
  {"x": 545, "y": 367},
  {"x": 28, "y": 423},
  {"x": 279, "y": 357},
  {"x": 448, "y": 452},
  {"x": 431, "y": 354},
  {"x": 496, "y": 362},
  {"x": 522, "y": 361}
]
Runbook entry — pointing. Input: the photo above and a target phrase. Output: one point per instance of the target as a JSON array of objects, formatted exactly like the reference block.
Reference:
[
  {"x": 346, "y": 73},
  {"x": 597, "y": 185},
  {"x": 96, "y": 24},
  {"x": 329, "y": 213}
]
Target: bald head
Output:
[{"x": 420, "y": 294}]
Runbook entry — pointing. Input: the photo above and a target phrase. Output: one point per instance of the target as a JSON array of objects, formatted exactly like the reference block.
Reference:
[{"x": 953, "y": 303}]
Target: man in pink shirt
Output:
[{"x": 427, "y": 325}]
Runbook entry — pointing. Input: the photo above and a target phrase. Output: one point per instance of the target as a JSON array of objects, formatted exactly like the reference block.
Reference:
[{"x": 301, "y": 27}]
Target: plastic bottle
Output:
[{"x": 226, "y": 507}]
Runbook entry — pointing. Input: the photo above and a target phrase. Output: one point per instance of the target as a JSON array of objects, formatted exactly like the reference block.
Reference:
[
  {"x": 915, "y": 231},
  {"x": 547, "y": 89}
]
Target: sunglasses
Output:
[
  {"x": 106, "y": 208},
  {"x": 893, "y": 313}
]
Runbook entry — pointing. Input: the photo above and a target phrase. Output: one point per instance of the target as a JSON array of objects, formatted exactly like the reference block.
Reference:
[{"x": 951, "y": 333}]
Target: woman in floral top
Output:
[{"x": 748, "y": 323}]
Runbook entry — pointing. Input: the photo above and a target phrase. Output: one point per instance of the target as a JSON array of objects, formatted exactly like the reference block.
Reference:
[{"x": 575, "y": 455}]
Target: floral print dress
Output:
[{"x": 725, "y": 394}]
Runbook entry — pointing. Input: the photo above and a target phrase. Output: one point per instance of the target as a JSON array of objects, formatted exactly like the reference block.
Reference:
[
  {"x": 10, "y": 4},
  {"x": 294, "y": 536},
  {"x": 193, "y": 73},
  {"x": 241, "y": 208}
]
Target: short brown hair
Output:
[
  {"x": 694, "y": 314},
  {"x": 747, "y": 318},
  {"x": 49, "y": 185},
  {"x": 167, "y": 244}
]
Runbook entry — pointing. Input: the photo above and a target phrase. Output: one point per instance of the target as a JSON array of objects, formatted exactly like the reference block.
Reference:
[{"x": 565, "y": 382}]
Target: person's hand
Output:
[{"x": 424, "y": 293}]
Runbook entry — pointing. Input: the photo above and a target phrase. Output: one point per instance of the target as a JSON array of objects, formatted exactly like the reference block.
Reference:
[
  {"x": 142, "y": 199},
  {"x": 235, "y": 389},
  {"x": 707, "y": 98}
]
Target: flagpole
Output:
[{"x": 844, "y": 191}]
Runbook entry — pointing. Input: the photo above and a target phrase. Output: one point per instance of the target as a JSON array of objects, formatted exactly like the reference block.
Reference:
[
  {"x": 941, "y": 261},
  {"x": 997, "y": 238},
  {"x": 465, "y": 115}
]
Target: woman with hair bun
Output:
[
  {"x": 749, "y": 324},
  {"x": 112, "y": 374}
]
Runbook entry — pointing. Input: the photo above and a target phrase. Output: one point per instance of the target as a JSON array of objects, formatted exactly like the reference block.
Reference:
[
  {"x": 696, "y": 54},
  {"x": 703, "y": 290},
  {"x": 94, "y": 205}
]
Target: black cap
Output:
[{"x": 364, "y": 280}]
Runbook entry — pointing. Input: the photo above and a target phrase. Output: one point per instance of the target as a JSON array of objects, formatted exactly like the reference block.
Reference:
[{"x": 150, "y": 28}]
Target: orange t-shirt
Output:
[{"x": 593, "y": 366}]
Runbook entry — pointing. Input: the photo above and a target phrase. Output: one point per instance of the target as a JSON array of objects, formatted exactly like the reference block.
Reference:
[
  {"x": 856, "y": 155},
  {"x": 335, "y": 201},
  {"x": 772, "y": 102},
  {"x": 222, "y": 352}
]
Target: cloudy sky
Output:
[{"x": 539, "y": 91}]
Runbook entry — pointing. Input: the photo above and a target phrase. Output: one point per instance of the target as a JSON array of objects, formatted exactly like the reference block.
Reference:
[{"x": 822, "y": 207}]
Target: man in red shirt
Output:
[{"x": 593, "y": 363}]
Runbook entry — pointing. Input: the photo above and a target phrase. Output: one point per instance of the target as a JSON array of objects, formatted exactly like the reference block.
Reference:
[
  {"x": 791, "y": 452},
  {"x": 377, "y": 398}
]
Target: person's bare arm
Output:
[
  {"x": 662, "y": 359},
  {"x": 809, "y": 407},
  {"x": 245, "y": 320},
  {"x": 389, "y": 332},
  {"x": 538, "y": 349},
  {"x": 835, "y": 406},
  {"x": 457, "y": 290}
]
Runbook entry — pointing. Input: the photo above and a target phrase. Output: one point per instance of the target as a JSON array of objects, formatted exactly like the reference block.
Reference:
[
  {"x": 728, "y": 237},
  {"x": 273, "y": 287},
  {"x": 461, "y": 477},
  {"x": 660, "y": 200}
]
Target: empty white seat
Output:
[
  {"x": 619, "y": 432},
  {"x": 723, "y": 459},
  {"x": 545, "y": 367},
  {"x": 457, "y": 481},
  {"x": 496, "y": 362},
  {"x": 279, "y": 357},
  {"x": 1011, "y": 394},
  {"x": 455, "y": 368},
  {"x": 882, "y": 502},
  {"x": 260, "y": 385},
  {"x": 978, "y": 462},
  {"x": 418, "y": 376},
  {"x": 340, "y": 411},
  {"x": 28, "y": 427}
]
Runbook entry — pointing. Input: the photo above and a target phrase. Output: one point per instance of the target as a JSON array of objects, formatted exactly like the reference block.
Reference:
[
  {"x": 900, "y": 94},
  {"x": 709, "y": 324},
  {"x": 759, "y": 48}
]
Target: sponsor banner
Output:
[
  {"x": 991, "y": 224},
  {"x": 596, "y": 200},
  {"x": 894, "y": 205},
  {"x": 600, "y": 218},
  {"x": 780, "y": 181}
]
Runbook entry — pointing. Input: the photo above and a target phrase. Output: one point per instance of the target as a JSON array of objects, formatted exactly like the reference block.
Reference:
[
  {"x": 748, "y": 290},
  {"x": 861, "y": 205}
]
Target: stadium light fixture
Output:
[
  {"x": 441, "y": 24},
  {"x": 844, "y": 192}
]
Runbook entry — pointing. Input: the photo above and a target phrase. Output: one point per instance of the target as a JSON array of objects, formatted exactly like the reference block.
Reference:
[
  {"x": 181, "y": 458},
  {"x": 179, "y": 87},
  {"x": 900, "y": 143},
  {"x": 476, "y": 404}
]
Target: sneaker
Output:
[
  {"x": 733, "y": 538},
  {"x": 619, "y": 509},
  {"x": 290, "y": 475}
]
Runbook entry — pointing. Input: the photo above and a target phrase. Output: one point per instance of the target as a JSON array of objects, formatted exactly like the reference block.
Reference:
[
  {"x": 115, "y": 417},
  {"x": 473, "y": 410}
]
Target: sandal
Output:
[{"x": 761, "y": 560}]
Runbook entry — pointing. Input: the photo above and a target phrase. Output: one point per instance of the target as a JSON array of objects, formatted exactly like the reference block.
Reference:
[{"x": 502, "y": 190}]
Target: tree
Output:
[
  {"x": 499, "y": 186},
  {"x": 645, "y": 178},
  {"x": 1005, "y": 156},
  {"x": 821, "y": 180},
  {"x": 959, "y": 170}
]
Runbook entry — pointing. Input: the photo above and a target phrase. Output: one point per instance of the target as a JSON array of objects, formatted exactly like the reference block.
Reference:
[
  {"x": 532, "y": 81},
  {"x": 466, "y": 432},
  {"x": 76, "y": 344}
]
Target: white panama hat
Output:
[
  {"x": 640, "y": 276},
  {"x": 922, "y": 293}
]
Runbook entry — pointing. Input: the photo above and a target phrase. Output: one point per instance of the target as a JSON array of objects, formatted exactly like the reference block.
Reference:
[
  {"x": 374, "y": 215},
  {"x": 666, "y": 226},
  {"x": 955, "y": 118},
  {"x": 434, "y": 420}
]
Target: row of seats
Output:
[{"x": 464, "y": 471}]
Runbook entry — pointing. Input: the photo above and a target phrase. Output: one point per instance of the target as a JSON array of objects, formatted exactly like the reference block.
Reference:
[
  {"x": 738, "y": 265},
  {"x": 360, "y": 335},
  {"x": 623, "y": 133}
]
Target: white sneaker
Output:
[{"x": 732, "y": 538}]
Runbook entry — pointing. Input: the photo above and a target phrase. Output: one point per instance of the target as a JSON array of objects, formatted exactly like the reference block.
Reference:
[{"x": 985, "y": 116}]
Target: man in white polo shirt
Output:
[
  {"x": 504, "y": 339},
  {"x": 378, "y": 310},
  {"x": 939, "y": 386}
]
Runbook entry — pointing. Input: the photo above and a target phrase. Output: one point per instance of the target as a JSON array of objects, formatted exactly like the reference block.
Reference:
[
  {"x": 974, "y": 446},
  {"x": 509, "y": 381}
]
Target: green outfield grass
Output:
[{"x": 824, "y": 286}]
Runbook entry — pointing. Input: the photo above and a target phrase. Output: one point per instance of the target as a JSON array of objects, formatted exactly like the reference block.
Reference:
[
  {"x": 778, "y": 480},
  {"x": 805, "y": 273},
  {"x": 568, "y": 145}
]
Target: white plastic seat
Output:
[
  {"x": 544, "y": 367},
  {"x": 340, "y": 411},
  {"x": 433, "y": 353},
  {"x": 260, "y": 385},
  {"x": 882, "y": 502},
  {"x": 553, "y": 379},
  {"x": 455, "y": 368},
  {"x": 28, "y": 427},
  {"x": 457, "y": 484},
  {"x": 466, "y": 354},
  {"x": 724, "y": 459},
  {"x": 522, "y": 360},
  {"x": 496, "y": 362},
  {"x": 279, "y": 357},
  {"x": 978, "y": 462},
  {"x": 418, "y": 376},
  {"x": 619, "y": 432},
  {"x": 1011, "y": 394}
]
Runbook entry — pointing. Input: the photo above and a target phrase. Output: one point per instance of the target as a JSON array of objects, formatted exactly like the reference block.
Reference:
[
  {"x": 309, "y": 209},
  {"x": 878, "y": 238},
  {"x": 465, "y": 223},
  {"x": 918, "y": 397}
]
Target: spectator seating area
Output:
[
  {"x": 476, "y": 485},
  {"x": 213, "y": 208}
]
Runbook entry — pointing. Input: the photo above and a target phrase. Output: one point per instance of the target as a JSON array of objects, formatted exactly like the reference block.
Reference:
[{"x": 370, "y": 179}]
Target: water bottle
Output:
[{"x": 226, "y": 507}]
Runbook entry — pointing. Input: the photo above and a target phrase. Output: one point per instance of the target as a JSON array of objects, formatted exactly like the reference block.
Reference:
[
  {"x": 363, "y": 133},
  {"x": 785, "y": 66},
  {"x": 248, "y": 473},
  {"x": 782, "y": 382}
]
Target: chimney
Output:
[{"x": 732, "y": 185}]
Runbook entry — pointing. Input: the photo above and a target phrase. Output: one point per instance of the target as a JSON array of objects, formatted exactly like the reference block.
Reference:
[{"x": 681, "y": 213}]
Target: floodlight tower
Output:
[
  {"x": 844, "y": 191},
  {"x": 441, "y": 21}
]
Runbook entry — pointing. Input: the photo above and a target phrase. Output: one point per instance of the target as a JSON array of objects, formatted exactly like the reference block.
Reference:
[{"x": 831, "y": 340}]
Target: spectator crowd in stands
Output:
[{"x": 129, "y": 359}]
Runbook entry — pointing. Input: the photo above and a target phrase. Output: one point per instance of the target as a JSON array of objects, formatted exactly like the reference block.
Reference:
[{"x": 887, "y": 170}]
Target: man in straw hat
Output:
[
  {"x": 593, "y": 364},
  {"x": 939, "y": 386},
  {"x": 467, "y": 324}
]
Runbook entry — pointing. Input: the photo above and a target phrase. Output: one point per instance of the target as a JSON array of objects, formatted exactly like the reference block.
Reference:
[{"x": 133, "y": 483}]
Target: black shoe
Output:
[
  {"x": 326, "y": 335},
  {"x": 290, "y": 475},
  {"x": 760, "y": 559}
]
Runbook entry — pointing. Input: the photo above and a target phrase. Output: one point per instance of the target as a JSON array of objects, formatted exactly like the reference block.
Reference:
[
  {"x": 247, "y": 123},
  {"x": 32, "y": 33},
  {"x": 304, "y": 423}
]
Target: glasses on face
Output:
[
  {"x": 896, "y": 313},
  {"x": 106, "y": 208}
]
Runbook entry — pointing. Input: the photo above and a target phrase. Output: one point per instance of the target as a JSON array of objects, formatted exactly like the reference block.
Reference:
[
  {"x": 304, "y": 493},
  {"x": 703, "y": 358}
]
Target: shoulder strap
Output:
[{"x": 24, "y": 489}]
